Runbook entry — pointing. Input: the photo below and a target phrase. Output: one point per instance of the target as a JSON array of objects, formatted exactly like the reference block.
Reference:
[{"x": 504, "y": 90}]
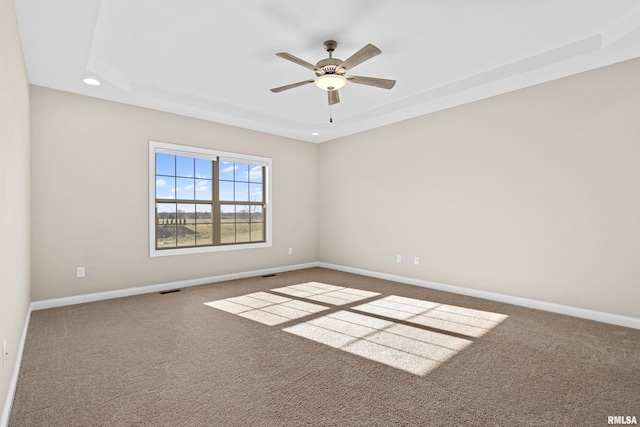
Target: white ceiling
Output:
[{"x": 216, "y": 60}]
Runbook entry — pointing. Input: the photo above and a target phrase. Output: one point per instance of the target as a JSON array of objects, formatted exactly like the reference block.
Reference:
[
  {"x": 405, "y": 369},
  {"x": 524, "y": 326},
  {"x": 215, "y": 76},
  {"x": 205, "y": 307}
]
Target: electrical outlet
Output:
[
  {"x": 5, "y": 353},
  {"x": 416, "y": 260},
  {"x": 398, "y": 258},
  {"x": 80, "y": 272},
  {"x": 290, "y": 251}
]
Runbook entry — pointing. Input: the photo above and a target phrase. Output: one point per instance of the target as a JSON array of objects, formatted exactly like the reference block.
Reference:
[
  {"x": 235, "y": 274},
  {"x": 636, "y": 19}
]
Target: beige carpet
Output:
[{"x": 318, "y": 347}]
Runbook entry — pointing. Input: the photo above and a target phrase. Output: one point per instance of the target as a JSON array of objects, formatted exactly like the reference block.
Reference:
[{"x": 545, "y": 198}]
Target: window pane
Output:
[
  {"x": 255, "y": 192},
  {"x": 165, "y": 211},
  {"x": 227, "y": 233},
  {"x": 255, "y": 174},
  {"x": 203, "y": 214},
  {"x": 165, "y": 225},
  {"x": 226, "y": 170},
  {"x": 256, "y": 214},
  {"x": 185, "y": 166},
  {"x": 226, "y": 191},
  {"x": 243, "y": 232},
  {"x": 203, "y": 189},
  {"x": 204, "y": 225},
  {"x": 185, "y": 188},
  {"x": 257, "y": 232},
  {"x": 242, "y": 213},
  {"x": 242, "y": 192},
  {"x": 204, "y": 234},
  {"x": 165, "y": 236},
  {"x": 227, "y": 213},
  {"x": 165, "y": 187},
  {"x": 242, "y": 172},
  {"x": 186, "y": 213},
  {"x": 203, "y": 168},
  {"x": 185, "y": 228},
  {"x": 227, "y": 223},
  {"x": 165, "y": 164}
]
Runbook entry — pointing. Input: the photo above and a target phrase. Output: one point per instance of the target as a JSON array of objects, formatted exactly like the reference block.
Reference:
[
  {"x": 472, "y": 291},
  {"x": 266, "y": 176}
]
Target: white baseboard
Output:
[
  {"x": 614, "y": 319},
  {"x": 8, "y": 404},
  {"x": 99, "y": 296},
  {"x": 599, "y": 316}
]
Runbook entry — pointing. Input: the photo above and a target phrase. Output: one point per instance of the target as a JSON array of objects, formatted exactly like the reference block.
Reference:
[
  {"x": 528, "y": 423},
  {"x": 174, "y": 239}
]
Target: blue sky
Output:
[{"x": 190, "y": 179}]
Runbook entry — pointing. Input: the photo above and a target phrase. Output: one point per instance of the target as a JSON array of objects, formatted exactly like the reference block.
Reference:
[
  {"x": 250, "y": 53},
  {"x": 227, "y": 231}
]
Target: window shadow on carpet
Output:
[{"x": 410, "y": 334}]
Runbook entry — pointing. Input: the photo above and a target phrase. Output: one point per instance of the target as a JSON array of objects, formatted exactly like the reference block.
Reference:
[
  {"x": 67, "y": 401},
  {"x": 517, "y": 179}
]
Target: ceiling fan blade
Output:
[
  {"x": 296, "y": 60},
  {"x": 372, "y": 81},
  {"x": 334, "y": 98},
  {"x": 367, "y": 52},
  {"x": 291, "y": 86}
]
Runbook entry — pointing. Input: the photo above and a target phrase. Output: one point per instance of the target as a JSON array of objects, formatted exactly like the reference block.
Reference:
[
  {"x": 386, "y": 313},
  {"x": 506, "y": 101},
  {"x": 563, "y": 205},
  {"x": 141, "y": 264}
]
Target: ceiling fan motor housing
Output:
[{"x": 330, "y": 66}]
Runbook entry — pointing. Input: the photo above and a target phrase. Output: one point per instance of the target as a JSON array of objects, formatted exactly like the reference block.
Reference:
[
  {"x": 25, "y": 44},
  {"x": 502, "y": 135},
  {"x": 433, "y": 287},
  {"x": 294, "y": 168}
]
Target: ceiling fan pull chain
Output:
[{"x": 330, "y": 113}]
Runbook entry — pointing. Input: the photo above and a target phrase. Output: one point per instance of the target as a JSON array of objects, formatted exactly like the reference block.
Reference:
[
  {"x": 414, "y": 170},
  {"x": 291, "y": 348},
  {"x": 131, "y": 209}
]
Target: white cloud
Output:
[
  {"x": 160, "y": 182},
  {"x": 256, "y": 195},
  {"x": 230, "y": 168},
  {"x": 256, "y": 172}
]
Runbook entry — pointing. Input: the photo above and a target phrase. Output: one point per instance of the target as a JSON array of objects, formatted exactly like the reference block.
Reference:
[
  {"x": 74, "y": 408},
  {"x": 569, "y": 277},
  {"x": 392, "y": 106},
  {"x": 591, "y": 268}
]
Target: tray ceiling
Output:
[{"x": 216, "y": 61}]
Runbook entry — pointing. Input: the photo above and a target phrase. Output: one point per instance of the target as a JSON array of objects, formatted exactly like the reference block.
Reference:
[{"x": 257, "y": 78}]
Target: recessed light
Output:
[
  {"x": 315, "y": 133},
  {"x": 91, "y": 81}
]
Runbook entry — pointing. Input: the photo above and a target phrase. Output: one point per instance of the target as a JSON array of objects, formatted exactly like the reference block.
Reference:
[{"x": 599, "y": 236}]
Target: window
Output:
[{"x": 203, "y": 200}]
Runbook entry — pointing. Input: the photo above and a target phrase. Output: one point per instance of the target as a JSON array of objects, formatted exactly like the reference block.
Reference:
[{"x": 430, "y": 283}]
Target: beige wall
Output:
[
  {"x": 535, "y": 194},
  {"x": 14, "y": 192},
  {"x": 90, "y": 203}
]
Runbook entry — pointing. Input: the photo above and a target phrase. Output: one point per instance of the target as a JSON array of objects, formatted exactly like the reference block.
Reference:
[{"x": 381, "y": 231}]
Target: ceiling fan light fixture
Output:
[{"x": 330, "y": 82}]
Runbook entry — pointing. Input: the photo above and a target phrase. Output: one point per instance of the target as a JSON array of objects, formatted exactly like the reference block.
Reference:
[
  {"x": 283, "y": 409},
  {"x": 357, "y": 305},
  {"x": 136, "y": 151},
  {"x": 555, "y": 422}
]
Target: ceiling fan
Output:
[{"x": 331, "y": 72}]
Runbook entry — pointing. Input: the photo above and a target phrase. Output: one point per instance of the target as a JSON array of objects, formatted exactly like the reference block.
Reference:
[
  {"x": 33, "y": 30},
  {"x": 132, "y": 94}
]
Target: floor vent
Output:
[
  {"x": 269, "y": 275},
  {"x": 169, "y": 292}
]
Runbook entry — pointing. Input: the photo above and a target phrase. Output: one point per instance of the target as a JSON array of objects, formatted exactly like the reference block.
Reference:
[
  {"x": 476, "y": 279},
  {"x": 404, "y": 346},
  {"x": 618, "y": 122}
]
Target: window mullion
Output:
[
  {"x": 215, "y": 192},
  {"x": 264, "y": 203}
]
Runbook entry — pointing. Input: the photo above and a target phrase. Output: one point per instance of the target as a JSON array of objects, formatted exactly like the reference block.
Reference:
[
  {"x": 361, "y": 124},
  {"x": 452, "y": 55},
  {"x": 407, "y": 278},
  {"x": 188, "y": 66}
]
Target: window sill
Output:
[{"x": 222, "y": 248}]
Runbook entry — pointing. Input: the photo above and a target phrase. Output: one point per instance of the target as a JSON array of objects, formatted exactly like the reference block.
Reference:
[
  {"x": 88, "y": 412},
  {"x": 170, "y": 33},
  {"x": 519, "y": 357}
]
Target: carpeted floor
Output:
[{"x": 319, "y": 347}]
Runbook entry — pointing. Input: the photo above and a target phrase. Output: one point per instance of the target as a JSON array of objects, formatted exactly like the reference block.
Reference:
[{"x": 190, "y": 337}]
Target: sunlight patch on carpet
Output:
[
  {"x": 459, "y": 320},
  {"x": 322, "y": 292},
  {"x": 404, "y": 347},
  {"x": 409, "y": 334},
  {"x": 266, "y": 308}
]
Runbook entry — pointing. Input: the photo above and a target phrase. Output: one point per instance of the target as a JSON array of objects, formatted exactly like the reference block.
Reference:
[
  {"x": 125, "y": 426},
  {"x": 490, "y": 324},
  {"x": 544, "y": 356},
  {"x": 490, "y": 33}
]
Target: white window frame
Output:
[{"x": 168, "y": 148}]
